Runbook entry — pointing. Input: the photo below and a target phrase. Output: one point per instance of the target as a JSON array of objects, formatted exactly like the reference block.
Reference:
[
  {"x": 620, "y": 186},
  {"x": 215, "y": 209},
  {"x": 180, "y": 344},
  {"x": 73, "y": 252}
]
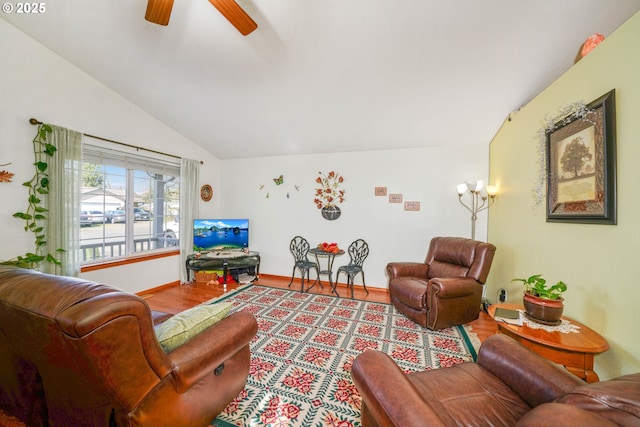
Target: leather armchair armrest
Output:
[
  {"x": 535, "y": 379},
  {"x": 388, "y": 393},
  {"x": 453, "y": 287},
  {"x": 407, "y": 269},
  {"x": 201, "y": 355}
]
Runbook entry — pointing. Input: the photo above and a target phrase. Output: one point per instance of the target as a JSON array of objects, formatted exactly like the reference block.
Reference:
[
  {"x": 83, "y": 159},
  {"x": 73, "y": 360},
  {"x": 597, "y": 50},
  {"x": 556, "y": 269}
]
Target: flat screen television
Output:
[{"x": 220, "y": 234}]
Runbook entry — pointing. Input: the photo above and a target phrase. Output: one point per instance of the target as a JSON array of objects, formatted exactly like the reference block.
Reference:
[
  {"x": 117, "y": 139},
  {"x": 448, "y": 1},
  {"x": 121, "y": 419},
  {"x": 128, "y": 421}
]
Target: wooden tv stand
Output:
[{"x": 222, "y": 260}]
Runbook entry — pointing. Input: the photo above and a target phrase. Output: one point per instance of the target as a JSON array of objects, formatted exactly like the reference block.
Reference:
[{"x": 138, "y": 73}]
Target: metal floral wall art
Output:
[
  {"x": 329, "y": 195},
  {"x": 5, "y": 176}
]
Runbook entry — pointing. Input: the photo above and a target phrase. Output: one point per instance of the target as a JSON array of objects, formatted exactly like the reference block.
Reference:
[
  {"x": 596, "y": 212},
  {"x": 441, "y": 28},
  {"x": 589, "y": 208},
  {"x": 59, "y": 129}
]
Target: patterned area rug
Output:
[{"x": 304, "y": 349}]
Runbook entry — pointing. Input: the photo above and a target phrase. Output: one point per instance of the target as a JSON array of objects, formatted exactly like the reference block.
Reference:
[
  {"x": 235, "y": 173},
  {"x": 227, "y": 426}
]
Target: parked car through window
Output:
[
  {"x": 85, "y": 219},
  {"x": 97, "y": 217},
  {"x": 115, "y": 216},
  {"x": 140, "y": 214}
]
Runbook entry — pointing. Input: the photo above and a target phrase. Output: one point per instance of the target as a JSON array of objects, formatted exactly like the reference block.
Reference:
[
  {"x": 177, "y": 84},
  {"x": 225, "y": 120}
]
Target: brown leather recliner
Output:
[
  {"x": 78, "y": 353},
  {"x": 508, "y": 386},
  {"x": 446, "y": 289}
]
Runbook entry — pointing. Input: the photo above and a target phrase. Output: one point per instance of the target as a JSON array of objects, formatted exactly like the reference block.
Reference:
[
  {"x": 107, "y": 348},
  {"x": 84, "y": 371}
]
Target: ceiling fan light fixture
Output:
[
  {"x": 159, "y": 11},
  {"x": 236, "y": 15}
]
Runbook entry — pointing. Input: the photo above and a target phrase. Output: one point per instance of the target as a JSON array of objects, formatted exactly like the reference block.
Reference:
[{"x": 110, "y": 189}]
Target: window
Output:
[{"x": 129, "y": 203}]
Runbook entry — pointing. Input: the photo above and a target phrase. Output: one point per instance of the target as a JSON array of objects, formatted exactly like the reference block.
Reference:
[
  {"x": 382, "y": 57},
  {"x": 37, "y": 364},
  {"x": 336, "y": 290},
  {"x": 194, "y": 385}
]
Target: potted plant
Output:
[{"x": 542, "y": 303}]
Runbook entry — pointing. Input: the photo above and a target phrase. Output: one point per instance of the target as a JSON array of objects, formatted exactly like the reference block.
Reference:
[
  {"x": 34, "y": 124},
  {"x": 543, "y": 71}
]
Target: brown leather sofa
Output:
[
  {"x": 508, "y": 386},
  {"x": 446, "y": 289},
  {"x": 78, "y": 353}
]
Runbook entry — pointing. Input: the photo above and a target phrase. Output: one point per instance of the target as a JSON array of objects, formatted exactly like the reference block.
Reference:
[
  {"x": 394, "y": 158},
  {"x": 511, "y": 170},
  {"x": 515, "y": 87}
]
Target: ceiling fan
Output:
[{"x": 159, "y": 11}]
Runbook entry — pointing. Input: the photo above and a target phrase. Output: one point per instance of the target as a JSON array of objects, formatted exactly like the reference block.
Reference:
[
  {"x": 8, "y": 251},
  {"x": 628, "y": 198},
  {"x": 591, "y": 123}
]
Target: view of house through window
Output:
[{"x": 129, "y": 204}]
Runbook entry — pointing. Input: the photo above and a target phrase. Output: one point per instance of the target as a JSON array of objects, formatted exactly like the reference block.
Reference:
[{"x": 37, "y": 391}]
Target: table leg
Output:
[
  {"x": 224, "y": 273},
  {"x": 591, "y": 377},
  {"x": 317, "y": 279},
  {"x": 330, "y": 260},
  {"x": 314, "y": 282},
  {"x": 329, "y": 272},
  {"x": 587, "y": 375},
  {"x": 585, "y": 371}
]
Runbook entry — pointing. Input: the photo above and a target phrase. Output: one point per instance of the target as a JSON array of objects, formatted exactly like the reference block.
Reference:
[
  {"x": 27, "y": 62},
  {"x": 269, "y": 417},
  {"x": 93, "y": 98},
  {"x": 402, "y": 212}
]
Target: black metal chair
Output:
[
  {"x": 300, "y": 249},
  {"x": 358, "y": 252}
]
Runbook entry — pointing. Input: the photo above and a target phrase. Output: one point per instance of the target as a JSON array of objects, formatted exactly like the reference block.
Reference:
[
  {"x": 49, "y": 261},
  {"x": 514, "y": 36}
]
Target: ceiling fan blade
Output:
[
  {"x": 236, "y": 15},
  {"x": 159, "y": 11}
]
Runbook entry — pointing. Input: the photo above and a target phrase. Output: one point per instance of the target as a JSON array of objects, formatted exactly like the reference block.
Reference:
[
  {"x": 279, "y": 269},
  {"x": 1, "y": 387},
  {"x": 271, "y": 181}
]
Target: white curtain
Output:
[
  {"x": 62, "y": 226},
  {"x": 189, "y": 209}
]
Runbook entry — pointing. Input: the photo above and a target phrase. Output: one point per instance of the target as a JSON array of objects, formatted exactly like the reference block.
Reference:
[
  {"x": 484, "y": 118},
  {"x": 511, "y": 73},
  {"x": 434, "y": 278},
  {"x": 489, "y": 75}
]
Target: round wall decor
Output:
[{"x": 206, "y": 192}]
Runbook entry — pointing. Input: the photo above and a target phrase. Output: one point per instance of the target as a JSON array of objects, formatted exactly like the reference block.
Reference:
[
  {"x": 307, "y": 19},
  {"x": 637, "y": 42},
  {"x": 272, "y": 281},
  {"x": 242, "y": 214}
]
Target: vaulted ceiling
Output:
[{"x": 322, "y": 76}]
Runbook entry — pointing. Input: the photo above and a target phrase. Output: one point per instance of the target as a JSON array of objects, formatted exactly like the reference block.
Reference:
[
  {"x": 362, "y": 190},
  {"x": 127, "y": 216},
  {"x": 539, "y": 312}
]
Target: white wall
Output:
[
  {"x": 427, "y": 175},
  {"x": 35, "y": 82}
]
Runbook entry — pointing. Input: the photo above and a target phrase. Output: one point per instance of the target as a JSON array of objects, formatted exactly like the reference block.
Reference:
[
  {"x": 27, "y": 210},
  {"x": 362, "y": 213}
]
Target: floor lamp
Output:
[{"x": 481, "y": 198}]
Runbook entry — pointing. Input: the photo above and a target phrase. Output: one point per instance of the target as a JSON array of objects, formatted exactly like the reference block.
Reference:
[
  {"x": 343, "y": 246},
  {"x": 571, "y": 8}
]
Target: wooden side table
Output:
[{"x": 575, "y": 350}]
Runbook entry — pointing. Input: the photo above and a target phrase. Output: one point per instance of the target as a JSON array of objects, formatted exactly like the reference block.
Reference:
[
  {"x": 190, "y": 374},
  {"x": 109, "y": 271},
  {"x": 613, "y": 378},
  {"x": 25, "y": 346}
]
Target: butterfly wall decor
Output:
[{"x": 278, "y": 182}]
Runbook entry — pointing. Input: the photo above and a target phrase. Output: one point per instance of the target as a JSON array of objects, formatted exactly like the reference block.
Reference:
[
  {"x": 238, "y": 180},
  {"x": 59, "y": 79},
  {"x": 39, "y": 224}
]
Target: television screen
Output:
[{"x": 220, "y": 234}]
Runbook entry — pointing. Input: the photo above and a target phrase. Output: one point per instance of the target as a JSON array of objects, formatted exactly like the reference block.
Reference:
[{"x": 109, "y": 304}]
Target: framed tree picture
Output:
[{"x": 581, "y": 166}]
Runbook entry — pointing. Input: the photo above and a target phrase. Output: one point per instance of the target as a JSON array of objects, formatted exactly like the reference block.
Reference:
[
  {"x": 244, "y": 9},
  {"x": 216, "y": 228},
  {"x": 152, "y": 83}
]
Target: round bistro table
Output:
[{"x": 317, "y": 252}]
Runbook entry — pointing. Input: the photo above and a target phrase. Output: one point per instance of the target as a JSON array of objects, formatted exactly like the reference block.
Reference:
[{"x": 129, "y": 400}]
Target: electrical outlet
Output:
[{"x": 502, "y": 295}]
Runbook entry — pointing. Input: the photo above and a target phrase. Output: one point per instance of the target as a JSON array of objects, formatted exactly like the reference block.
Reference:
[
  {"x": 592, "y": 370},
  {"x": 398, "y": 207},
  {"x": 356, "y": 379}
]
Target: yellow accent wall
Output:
[{"x": 600, "y": 263}]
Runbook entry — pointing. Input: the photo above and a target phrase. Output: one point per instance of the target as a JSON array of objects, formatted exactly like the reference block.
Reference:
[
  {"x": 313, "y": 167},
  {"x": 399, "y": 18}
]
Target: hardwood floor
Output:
[{"x": 176, "y": 298}]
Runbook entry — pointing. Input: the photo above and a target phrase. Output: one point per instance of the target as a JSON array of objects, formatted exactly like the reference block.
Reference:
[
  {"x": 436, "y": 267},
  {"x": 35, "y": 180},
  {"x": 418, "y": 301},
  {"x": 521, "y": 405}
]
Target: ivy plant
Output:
[
  {"x": 35, "y": 214},
  {"x": 538, "y": 287}
]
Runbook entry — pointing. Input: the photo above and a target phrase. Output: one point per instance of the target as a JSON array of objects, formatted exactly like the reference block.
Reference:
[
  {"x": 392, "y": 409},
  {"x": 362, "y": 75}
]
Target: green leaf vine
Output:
[{"x": 35, "y": 214}]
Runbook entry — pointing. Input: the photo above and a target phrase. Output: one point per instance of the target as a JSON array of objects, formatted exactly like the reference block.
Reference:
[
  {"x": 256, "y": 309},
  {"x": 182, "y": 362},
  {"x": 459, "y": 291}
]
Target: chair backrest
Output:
[
  {"x": 299, "y": 248},
  {"x": 358, "y": 252},
  {"x": 459, "y": 257},
  {"x": 69, "y": 347}
]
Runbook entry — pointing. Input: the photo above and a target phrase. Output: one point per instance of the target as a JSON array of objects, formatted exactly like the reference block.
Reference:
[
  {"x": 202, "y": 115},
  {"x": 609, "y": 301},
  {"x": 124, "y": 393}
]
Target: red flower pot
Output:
[{"x": 545, "y": 311}]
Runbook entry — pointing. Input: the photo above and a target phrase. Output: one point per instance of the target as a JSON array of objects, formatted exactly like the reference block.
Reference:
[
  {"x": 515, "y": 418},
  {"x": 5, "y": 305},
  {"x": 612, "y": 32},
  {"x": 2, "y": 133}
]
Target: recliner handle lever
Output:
[{"x": 218, "y": 371}]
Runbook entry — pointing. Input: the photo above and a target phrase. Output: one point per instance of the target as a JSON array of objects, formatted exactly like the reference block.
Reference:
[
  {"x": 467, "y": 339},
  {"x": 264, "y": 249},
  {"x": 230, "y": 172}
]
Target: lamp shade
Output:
[
  {"x": 474, "y": 186},
  {"x": 461, "y": 188}
]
